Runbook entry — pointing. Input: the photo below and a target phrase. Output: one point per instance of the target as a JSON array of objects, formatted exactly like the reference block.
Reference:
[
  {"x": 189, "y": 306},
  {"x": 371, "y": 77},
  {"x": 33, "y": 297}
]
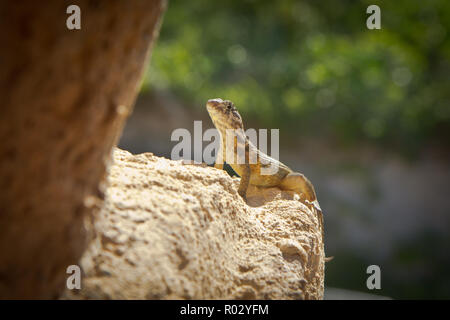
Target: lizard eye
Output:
[{"x": 229, "y": 107}]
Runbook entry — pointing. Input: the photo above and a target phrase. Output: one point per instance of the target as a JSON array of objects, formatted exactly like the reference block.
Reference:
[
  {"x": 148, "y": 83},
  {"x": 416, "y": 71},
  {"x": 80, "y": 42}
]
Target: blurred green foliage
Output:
[{"x": 312, "y": 67}]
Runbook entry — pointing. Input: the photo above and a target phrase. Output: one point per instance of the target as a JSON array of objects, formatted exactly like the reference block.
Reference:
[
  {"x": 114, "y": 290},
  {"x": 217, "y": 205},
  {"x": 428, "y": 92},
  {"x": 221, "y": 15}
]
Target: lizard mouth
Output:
[{"x": 214, "y": 103}]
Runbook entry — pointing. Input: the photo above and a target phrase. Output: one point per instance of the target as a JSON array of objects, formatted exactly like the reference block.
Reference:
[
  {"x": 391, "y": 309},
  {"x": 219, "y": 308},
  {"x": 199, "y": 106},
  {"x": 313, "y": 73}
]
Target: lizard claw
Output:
[{"x": 315, "y": 204}]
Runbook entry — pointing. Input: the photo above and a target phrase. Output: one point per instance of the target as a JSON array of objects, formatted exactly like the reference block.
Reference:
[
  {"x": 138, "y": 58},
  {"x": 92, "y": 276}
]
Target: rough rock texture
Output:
[
  {"x": 168, "y": 230},
  {"x": 65, "y": 95}
]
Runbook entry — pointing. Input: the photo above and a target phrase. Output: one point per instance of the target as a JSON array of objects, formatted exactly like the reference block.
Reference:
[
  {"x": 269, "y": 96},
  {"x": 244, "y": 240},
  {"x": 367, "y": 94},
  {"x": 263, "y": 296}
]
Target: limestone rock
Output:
[{"x": 168, "y": 230}]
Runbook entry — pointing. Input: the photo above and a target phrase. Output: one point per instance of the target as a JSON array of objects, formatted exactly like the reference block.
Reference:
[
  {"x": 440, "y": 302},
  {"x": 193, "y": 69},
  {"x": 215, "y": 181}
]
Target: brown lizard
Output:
[{"x": 225, "y": 117}]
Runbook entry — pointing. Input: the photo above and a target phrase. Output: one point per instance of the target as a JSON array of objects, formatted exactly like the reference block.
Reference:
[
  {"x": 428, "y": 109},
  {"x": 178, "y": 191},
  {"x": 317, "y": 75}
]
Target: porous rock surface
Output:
[{"x": 168, "y": 230}]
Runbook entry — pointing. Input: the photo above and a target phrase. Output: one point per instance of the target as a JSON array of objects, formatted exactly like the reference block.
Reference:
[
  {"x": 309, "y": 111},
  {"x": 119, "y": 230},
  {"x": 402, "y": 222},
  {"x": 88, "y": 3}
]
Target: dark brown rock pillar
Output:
[{"x": 65, "y": 95}]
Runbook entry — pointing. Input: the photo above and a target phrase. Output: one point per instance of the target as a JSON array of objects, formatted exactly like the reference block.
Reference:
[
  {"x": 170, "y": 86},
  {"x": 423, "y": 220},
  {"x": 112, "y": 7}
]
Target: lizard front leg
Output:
[{"x": 245, "y": 181}]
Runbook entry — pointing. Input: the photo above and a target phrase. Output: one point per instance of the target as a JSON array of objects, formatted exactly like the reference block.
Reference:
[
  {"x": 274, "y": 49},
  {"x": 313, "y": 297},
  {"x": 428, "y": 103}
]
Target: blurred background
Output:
[{"x": 363, "y": 113}]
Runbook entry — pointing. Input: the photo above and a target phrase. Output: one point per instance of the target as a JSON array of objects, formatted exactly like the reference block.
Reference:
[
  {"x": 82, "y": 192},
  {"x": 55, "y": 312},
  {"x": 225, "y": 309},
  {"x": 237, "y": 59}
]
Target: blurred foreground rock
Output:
[
  {"x": 65, "y": 97},
  {"x": 173, "y": 231}
]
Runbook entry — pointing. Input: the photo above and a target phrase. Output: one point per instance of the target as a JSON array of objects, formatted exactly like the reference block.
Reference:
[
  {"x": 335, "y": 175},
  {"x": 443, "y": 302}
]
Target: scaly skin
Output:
[{"x": 225, "y": 116}]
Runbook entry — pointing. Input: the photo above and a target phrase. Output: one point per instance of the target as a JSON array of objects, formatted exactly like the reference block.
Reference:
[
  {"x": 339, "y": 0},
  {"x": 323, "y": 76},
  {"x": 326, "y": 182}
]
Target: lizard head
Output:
[{"x": 224, "y": 114}]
